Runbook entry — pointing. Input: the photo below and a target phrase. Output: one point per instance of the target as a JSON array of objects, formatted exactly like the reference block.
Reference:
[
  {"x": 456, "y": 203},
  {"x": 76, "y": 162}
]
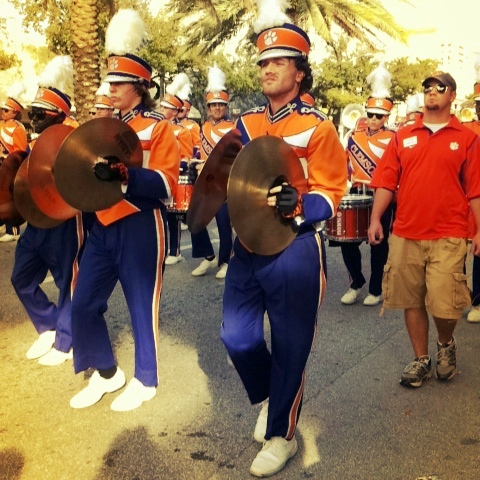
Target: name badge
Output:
[{"x": 410, "y": 142}]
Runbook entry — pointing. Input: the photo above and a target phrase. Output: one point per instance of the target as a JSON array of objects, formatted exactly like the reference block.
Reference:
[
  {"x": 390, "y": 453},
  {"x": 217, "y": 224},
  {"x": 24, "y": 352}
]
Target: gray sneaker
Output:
[
  {"x": 446, "y": 361},
  {"x": 416, "y": 372}
]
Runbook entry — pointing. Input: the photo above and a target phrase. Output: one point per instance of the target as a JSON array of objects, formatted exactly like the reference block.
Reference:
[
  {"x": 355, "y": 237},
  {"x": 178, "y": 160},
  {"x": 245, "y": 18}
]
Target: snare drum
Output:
[
  {"x": 182, "y": 197},
  {"x": 351, "y": 222}
]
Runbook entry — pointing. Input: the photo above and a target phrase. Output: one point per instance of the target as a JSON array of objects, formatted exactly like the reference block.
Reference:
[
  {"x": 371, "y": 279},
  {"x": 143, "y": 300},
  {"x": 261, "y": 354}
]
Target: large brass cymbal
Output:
[
  {"x": 8, "y": 170},
  {"x": 97, "y": 138},
  {"x": 210, "y": 190},
  {"x": 41, "y": 165},
  {"x": 25, "y": 204},
  {"x": 258, "y": 226}
]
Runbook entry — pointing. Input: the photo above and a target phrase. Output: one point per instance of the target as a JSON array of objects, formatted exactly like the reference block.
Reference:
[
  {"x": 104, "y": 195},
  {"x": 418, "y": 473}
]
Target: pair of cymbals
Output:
[
  {"x": 210, "y": 190},
  {"x": 262, "y": 161},
  {"x": 96, "y": 139},
  {"x": 244, "y": 177},
  {"x": 57, "y": 180}
]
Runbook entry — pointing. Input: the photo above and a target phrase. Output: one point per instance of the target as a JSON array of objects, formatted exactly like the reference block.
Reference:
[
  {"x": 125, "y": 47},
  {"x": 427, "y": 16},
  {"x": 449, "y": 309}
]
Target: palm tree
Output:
[
  {"x": 216, "y": 21},
  {"x": 85, "y": 49}
]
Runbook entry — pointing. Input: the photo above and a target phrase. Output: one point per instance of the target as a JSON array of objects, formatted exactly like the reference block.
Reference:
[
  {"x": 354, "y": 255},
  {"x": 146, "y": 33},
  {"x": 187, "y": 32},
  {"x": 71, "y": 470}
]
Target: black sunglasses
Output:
[
  {"x": 439, "y": 88},
  {"x": 38, "y": 113},
  {"x": 378, "y": 116},
  {"x": 92, "y": 113}
]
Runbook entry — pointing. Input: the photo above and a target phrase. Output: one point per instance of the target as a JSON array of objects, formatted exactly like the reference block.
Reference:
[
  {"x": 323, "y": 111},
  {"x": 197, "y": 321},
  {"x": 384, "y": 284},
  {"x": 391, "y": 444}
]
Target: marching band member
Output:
[
  {"x": 211, "y": 132},
  {"x": 414, "y": 109},
  {"x": 290, "y": 285},
  {"x": 103, "y": 103},
  {"x": 128, "y": 240},
  {"x": 170, "y": 106},
  {"x": 56, "y": 249},
  {"x": 474, "y": 313},
  {"x": 13, "y": 137},
  {"x": 364, "y": 150},
  {"x": 192, "y": 125}
]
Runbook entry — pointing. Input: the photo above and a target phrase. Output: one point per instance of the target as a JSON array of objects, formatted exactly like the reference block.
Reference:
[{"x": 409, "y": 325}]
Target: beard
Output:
[{"x": 432, "y": 107}]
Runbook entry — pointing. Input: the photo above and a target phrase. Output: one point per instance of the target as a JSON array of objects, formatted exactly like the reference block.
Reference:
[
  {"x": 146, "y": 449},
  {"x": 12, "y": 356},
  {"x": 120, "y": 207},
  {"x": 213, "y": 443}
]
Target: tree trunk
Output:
[{"x": 85, "y": 55}]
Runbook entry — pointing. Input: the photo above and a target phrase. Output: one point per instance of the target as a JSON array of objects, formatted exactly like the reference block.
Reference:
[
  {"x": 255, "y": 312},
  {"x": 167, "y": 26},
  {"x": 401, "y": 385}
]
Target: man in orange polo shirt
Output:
[{"x": 434, "y": 166}]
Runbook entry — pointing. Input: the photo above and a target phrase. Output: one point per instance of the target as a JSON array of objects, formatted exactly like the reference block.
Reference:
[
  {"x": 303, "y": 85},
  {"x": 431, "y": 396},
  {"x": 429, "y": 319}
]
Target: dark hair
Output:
[
  {"x": 302, "y": 64},
  {"x": 142, "y": 91}
]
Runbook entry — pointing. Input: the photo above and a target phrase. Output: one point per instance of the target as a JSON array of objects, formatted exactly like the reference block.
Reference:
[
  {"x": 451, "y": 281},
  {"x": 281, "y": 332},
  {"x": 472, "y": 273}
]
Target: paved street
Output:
[{"x": 357, "y": 422}]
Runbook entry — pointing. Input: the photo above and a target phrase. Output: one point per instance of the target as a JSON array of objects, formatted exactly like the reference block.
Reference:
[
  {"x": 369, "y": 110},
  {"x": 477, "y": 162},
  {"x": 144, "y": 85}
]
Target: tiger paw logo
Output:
[
  {"x": 454, "y": 146},
  {"x": 270, "y": 38},
  {"x": 112, "y": 64}
]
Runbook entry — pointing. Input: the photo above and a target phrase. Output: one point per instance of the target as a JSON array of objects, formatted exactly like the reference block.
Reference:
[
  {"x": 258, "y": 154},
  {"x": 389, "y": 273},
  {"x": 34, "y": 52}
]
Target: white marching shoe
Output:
[
  {"x": 133, "y": 396},
  {"x": 172, "y": 260},
  {"x": 204, "y": 267},
  {"x": 222, "y": 272},
  {"x": 273, "y": 457},
  {"x": 42, "y": 345},
  {"x": 55, "y": 357},
  {"x": 351, "y": 296},
  {"x": 97, "y": 387},
  {"x": 372, "y": 300},
  {"x": 261, "y": 425}
]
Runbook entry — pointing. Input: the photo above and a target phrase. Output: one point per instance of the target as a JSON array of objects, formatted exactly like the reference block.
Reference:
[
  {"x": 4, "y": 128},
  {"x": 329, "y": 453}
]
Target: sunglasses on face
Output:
[
  {"x": 378, "y": 116},
  {"x": 92, "y": 113},
  {"x": 38, "y": 113},
  {"x": 439, "y": 88}
]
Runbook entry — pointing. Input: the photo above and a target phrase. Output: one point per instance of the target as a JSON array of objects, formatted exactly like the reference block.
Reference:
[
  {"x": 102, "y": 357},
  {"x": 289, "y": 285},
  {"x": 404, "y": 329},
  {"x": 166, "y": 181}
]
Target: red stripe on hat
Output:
[
  {"x": 118, "y": 64},
  {"x": 381, "y": 103},
  {"x": 173, "y": 100},
  {"x": 50, "y": 97},
  {"x": 281, "y": 37},
  {"x": 103, "y": 101},
  {"x": 218, "y": 97},
  {"x": 13, "y": 104}
]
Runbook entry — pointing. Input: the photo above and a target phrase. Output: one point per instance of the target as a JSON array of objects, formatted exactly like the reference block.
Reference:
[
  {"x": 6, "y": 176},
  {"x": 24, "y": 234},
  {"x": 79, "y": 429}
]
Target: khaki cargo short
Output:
[{"x": 427, "y": 273}]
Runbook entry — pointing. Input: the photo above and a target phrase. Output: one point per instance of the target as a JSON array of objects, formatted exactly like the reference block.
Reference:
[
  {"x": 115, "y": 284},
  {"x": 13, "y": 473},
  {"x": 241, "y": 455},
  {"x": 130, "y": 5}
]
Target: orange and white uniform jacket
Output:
[
  {"x": 315, "y": 141},
  {"x": 184, "y": 139},
  {"x": 194, "y": 129},
  {"x": 13, "y": 136},
  {"x": 152, "y": 185},
  {"x": 211, "y": 133},
  {"x": 364, "y": 151}
]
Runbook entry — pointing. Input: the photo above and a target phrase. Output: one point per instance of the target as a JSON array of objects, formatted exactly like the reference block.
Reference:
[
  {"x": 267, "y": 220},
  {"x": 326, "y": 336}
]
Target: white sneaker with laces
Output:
[
  {"x": 273, "y": 457},
  {"x": 351, "y": 296},
  {"x": 42, "y": 345},
  {"x": 204, "y": 267},
  {"x": 183, "y": 226},
  {"x": 3, "y": 230},
  {"x": 222, "y": 272},
  {"x": 55, "y": 357},
  {"x": 372, "y": 300},
  {"x": 170, "y": 260},
  {"x": 97, "y": 387},
  {"x": 133, "y": 396},
  {"x": 261, "y": 425},
  {"x": 474, "y": 314},
  {"x": 9, "y": 238}
]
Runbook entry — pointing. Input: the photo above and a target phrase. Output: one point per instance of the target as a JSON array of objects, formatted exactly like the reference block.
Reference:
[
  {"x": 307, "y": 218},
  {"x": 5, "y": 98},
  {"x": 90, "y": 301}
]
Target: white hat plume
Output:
[
  {"x": 216, "y": 79},
  {"x": 180, "y": 81},
  {"x": 58, "y": 73},
  {"x": 380, "y": 81},
  {"x": 124, "y": 33},
  {"x": 271, "y": 13}
]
